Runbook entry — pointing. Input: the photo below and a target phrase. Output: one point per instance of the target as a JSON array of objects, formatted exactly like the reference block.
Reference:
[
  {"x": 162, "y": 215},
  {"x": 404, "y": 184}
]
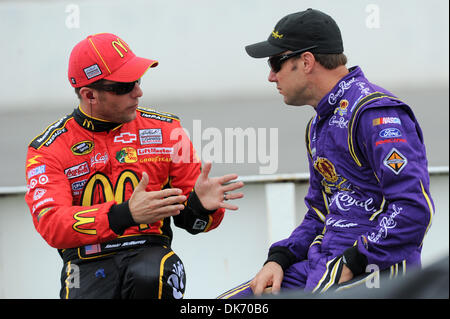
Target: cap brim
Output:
[
  {"x": 263, "y": 50},
  {"x": 131, "y": 71}
]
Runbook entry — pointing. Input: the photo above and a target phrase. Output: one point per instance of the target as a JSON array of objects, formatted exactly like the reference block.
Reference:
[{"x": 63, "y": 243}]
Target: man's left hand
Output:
[
  {"x": 346, "y": 274},
  {"x": 213, "y": 192}
]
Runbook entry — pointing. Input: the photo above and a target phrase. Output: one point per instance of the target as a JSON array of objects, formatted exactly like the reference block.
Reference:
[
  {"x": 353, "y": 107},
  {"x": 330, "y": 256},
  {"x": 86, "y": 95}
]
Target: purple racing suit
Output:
[{"x": 368, "y": 199}]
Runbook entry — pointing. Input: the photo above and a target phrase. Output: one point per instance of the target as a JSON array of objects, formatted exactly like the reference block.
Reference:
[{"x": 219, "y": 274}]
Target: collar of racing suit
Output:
[
  {"x": 331, "y": 100},
  {"x": 93, "y": 124}
]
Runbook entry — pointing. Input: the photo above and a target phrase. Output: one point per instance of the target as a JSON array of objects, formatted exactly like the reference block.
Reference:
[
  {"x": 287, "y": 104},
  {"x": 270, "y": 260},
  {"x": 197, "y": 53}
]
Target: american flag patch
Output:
[{"x": 92, "y": 249}]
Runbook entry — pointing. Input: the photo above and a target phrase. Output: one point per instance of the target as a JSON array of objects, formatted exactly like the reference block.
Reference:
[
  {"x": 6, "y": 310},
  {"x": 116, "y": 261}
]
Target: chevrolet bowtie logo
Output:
[
  {"x": 276, "y": 35},
  {"x": 125, "y": 138}
]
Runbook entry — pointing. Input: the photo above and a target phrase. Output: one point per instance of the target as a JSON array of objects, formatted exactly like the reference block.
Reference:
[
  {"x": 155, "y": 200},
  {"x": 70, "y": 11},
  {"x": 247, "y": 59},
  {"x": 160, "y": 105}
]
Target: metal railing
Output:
[{"x": 249, "y": 179}]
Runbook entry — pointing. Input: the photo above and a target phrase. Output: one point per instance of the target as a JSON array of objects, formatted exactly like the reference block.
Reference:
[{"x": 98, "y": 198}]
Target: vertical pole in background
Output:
[{"x": 280, "y": 199}]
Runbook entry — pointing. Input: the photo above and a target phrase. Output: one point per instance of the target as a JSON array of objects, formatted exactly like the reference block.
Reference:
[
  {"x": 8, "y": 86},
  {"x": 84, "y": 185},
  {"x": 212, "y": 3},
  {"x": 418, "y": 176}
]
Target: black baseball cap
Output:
[{"x": 300, "y": 30}]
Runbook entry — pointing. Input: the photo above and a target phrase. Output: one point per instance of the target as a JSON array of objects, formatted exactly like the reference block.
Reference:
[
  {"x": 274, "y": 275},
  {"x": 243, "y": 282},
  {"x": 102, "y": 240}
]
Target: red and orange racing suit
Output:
[{"x": 81, "y": 172}]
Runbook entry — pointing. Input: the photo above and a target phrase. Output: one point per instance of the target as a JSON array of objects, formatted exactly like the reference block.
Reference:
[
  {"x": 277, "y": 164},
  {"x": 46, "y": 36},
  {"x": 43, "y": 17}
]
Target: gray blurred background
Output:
[{"x": 205, "y": 75}]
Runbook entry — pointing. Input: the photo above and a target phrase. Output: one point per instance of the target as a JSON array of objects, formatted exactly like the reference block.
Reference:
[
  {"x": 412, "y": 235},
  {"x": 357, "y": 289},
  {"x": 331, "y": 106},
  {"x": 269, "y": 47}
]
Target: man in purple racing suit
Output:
[{"x": 369, "y": 204}]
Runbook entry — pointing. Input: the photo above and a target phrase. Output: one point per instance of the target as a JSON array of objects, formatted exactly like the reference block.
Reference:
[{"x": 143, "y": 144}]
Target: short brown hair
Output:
[
  {"x": 77, "y": 92},
  {"x": 330, "y": 61}
]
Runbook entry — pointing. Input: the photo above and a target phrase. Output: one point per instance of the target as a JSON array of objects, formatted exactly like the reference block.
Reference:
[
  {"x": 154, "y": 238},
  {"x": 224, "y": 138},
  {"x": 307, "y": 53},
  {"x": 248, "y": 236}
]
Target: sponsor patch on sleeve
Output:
[
  {"x": 199, "y": 224},
  {"x": 390, "y": 132},
  {"x": 395, "y": 161},
  {"x": 390, "y": 140},
  {"x": 36, "y": 171},
  {"x": 386, "y": 120}
]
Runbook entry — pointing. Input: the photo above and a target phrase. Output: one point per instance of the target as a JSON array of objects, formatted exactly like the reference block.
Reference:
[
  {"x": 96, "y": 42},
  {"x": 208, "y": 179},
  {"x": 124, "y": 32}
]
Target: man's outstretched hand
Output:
[{"x": 213, "y": 192}]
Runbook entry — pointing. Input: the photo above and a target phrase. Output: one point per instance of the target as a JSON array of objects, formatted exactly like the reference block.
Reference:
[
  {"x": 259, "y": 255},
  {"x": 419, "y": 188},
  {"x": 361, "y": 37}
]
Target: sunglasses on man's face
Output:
[
  {"x": 119, "y": 88},
  {"x": 276, "y": 62}
]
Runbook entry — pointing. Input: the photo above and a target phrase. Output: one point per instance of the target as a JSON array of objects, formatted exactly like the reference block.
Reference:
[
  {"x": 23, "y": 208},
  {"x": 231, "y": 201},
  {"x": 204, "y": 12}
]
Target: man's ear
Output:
[
  {"x": 87, "y": 94},
  {"x": 308, "y": 62}
]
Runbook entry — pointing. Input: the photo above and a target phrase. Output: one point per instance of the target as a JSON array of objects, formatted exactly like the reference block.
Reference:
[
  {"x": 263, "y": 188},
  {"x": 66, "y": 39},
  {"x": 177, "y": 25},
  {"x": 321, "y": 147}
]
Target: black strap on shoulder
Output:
[
  {"x": 48, "y": 136},
  {"x": 161, "y": 116}
]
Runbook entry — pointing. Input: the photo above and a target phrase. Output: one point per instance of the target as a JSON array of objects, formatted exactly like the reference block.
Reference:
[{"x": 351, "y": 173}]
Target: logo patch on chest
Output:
[
  {"x": 82, "y": 148},
  {"x": 127, "y": 155},
  {"x": 332, "y": 181}
]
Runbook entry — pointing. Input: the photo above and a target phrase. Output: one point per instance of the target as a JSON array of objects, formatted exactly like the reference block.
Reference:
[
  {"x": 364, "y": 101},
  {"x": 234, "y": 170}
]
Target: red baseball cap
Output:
[{"x": 105, "y": 56}]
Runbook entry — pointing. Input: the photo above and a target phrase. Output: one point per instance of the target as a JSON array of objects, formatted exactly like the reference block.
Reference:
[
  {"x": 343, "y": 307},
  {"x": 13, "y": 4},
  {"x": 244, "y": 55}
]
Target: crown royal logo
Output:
[
  {"x": 276, "y": 35},
  {"x": 326, "y": 169},
  {"x": 332, "y": 181}
]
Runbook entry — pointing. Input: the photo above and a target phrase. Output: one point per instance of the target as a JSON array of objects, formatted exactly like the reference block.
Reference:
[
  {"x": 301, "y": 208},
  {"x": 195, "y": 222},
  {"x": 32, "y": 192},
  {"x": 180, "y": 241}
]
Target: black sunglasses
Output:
[
  {"x": 119, "y": 88},
  {"x": 277, "y": 61}
]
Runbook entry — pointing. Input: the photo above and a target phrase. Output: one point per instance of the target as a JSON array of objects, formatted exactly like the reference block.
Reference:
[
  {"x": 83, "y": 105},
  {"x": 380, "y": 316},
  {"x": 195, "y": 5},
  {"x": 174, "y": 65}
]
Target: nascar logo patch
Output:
[
  {"x": 395, "y": 161},
  {"x": 386, "y": 120}
]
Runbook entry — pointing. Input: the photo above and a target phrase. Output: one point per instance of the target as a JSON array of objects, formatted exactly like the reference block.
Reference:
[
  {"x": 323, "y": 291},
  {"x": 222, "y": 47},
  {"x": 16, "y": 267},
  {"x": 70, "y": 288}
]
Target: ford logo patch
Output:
[{"x": 390, "y": 132}]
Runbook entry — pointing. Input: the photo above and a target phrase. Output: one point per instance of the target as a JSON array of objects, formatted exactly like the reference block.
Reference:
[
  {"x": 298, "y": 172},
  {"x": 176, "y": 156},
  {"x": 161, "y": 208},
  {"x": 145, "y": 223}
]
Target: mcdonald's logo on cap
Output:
[{"x": 119, "y": 43}]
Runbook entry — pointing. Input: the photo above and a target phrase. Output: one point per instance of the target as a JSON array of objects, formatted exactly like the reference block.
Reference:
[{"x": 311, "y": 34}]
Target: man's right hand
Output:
[
  {"x": 270, "y": 275},
  {"x": 149, "y": 207}
]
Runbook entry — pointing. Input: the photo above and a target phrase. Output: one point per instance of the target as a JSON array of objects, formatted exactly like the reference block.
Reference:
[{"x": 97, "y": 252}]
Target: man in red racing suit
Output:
[{"x": 88, "y": 180}]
